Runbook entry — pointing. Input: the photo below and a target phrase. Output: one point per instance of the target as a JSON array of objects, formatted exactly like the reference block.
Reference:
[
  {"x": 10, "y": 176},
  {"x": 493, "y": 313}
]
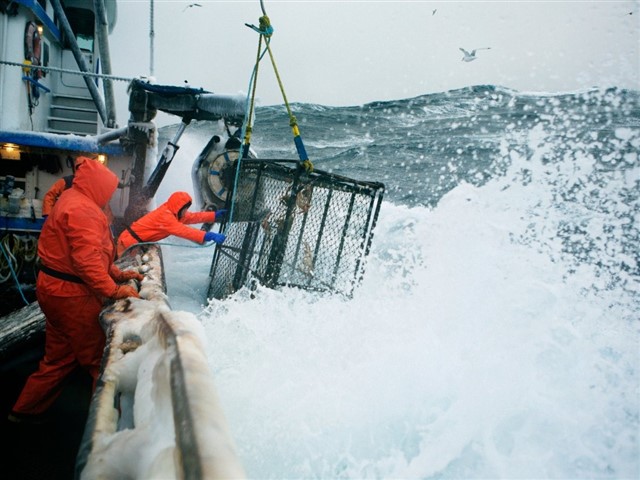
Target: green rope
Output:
[{"x": 249, "y": 128}]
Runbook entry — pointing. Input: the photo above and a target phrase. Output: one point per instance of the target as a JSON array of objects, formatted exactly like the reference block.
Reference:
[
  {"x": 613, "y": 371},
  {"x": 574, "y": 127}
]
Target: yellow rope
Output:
[
  {"x": 292, "y": 119},
  {"x": 266, "y": 31}
]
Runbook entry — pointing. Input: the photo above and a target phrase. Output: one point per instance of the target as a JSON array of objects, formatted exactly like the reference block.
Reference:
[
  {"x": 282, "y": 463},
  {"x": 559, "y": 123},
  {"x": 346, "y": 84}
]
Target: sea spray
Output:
[{"x": 495, "y": 332}]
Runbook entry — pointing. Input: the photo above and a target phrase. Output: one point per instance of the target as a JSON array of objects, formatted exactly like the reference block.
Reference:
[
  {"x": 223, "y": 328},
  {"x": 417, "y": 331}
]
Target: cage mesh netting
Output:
[{"x": 294, "y": 228}]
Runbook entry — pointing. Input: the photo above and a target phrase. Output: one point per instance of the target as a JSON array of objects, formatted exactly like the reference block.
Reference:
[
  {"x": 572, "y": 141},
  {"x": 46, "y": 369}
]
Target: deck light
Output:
[{"x": 10, "y": 151}]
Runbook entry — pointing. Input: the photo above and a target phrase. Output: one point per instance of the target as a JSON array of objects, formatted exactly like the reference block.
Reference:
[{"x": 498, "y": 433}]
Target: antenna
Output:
[{"x": 152, "y": 35}]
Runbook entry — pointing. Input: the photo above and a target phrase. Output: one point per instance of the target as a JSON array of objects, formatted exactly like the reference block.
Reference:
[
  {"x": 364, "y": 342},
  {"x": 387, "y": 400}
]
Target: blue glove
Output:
[
  {"x": 213, "y": 236},
  {"x": 220, "y": 214}
]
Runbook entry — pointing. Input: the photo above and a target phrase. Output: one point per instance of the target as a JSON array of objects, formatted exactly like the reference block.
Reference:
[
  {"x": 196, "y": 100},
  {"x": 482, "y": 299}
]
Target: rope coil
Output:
[{"x": 16, "y": 250}]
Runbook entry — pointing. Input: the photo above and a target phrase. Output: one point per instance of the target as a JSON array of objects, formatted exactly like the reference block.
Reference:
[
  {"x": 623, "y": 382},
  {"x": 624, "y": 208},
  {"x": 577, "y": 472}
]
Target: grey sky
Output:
[{"x": 352, "y": 52}]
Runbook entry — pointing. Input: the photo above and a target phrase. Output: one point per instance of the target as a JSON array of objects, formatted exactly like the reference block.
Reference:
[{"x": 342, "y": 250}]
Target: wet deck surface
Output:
[{"x": 47, "y": 450}]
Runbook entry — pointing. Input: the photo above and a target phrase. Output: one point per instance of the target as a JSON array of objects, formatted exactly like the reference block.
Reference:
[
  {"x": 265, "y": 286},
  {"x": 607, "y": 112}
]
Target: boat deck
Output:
[{"x": 47, "y": 450}]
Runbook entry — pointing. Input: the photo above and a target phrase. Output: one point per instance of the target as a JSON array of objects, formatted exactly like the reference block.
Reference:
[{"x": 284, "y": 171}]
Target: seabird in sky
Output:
[
  {"x": 469, "y": 57},
  {"x": 192, "y": 5},
  {"x": 434, "y": 12}
]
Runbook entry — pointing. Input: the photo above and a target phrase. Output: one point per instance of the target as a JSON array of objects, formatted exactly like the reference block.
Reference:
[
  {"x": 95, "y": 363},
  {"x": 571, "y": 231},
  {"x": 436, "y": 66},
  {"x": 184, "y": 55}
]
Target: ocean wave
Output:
[{"x": 497, "y": 320}]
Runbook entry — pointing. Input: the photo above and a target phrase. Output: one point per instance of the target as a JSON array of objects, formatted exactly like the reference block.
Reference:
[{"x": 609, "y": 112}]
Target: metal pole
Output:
[
  {"x": 152, "y": 35},
  {"x": 164, "y": 163}
]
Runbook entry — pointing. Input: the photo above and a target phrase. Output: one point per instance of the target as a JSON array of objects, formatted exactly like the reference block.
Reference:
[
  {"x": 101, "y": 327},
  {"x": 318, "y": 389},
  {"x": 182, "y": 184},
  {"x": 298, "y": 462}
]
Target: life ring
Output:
[
  {"x": 32, "y": 47},
  {"x": 219, "y": 174}
]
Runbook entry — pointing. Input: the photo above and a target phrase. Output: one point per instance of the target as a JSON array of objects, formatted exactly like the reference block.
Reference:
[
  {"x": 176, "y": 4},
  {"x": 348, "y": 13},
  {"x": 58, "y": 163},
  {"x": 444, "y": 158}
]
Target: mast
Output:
[{"x": 152, "y": 35}]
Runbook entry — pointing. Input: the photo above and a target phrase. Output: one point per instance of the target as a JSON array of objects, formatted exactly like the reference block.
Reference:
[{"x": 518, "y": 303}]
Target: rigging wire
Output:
[
  {"x": 167, "y": 244},
  {"x": 265, "y": 30},
  {"x": 64, "y": 70},
  {"x": 11, "y": 259},
  {"x": 247, "y": 127}
]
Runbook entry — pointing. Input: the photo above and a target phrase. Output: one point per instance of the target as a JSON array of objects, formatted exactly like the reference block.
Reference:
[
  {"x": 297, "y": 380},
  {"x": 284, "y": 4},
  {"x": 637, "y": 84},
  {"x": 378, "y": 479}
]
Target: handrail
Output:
[{"x": 155, "y": 356}]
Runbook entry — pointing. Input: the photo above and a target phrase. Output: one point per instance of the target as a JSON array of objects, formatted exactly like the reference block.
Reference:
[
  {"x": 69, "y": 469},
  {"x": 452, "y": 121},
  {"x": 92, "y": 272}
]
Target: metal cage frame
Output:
[{"x": 290, "y": 227}]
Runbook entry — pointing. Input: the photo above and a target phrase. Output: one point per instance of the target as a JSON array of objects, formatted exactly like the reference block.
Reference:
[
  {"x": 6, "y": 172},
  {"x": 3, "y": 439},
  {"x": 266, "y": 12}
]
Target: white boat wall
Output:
[{"x": 57, "y": 100}]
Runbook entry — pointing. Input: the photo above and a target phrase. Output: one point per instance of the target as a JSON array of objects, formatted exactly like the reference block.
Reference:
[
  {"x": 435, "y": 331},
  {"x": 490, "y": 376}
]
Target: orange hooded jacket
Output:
[
  {"x": 163, "y": 221},
  {"x": 51, "y": 197},
  {"x": 76, "y": 238}
]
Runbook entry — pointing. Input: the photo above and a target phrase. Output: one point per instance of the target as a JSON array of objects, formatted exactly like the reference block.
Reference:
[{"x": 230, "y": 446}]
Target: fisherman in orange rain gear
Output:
[
  {"x": 170, "y": 218},
  {"x": 77, "y": 273},
  {"x": 52, "y": 195}
]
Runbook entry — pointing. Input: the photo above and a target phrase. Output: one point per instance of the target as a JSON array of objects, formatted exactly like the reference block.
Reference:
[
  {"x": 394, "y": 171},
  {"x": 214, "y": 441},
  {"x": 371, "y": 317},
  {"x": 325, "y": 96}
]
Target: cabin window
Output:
[{"x": 82, "y": 23}]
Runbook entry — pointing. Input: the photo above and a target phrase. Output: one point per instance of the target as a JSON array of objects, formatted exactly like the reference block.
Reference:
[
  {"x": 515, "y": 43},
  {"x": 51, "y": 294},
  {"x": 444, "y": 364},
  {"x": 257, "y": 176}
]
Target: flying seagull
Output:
[
  {"x": 470, "y": 57},
  {"x": 434, "y": 12},
  {"x": 192, "y": 5}
]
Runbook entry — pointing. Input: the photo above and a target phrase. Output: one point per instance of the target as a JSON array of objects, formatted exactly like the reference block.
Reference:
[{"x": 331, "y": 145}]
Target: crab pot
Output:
[{"x": 299, "y": 229}]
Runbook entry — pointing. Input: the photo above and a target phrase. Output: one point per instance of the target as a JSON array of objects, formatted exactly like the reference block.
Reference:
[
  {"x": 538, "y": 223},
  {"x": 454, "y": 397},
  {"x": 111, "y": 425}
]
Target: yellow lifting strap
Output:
[{"x": 266, "y": 30}]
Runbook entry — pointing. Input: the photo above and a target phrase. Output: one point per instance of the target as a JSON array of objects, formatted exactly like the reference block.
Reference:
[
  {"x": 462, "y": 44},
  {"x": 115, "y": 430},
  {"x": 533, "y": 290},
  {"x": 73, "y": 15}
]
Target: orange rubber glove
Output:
[
  {"x": 125, "y": 275},
  {"x": 125, "y": 291}
]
